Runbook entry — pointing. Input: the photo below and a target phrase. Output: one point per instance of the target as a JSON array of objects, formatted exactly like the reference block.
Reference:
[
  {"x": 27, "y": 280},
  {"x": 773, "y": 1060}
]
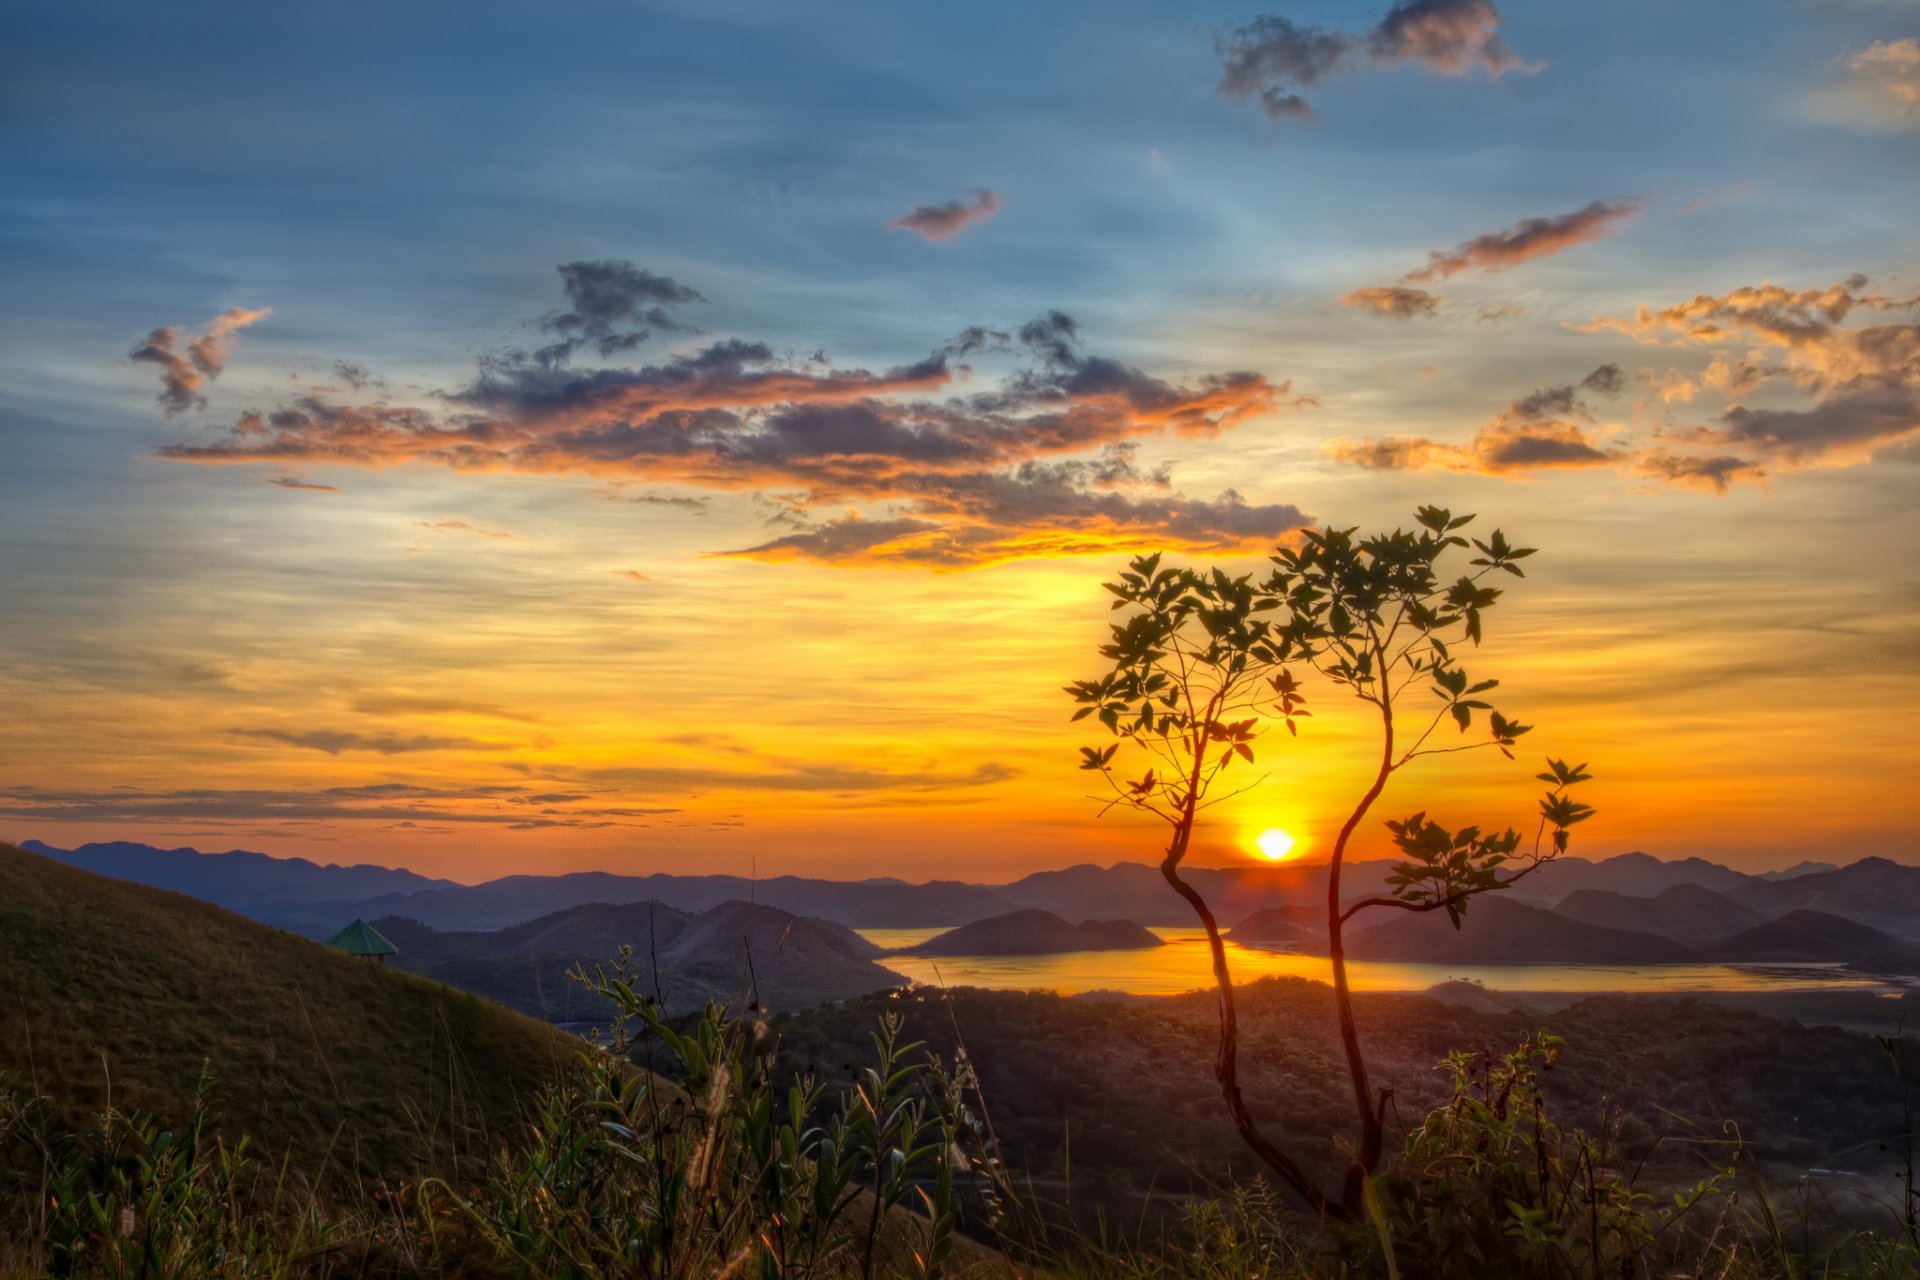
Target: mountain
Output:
[
  {"x": 1636, "y": 875},
  {"x": 1875, "y": 891},
  {"x": 792, "y": 962},
  {"x": 1036, "y": 933},
  {"x": 1691, "y": 914},
  {"x": 1497, "y": 930},
  {"x": 110, "y": 988},
  {"x": 508, "y": 901},
  {"x": 253, "y": 884},
  {"x": 1810, "y": 937},
  {"x": 1797, "y": 869}
]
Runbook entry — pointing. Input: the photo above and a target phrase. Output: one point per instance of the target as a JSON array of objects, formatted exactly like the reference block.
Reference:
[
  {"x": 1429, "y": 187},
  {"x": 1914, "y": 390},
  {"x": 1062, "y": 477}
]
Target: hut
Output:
[{"x": 362, "y": 939}]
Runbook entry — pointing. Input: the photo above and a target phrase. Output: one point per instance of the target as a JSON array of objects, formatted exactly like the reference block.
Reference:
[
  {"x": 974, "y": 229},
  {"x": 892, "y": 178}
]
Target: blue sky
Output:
[{"x": 398, "y": 184}]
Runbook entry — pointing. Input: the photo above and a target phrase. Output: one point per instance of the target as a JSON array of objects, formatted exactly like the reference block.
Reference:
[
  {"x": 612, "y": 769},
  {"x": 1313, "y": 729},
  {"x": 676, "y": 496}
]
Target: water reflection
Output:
[{"x": 1182, "y": 965}]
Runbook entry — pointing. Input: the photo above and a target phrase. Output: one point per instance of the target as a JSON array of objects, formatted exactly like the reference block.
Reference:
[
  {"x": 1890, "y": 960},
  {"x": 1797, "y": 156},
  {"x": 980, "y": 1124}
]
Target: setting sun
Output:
[{"x": 1274, "y": 844}]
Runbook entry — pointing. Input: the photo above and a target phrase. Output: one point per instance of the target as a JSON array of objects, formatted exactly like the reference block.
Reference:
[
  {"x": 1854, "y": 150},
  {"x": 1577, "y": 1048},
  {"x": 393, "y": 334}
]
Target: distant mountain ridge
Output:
[
  {"x": 1692, "y": 904},
  {"x": 253, "y": 884}
]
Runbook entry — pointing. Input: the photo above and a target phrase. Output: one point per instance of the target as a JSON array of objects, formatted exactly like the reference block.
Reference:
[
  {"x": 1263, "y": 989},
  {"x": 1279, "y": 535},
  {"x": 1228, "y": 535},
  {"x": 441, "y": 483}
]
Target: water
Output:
[{"x": 1183, "y": 965}]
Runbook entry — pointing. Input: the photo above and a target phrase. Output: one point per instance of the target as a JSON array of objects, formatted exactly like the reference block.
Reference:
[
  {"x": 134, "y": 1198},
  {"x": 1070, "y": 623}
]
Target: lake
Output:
[{"x": 1183, "y": 965}]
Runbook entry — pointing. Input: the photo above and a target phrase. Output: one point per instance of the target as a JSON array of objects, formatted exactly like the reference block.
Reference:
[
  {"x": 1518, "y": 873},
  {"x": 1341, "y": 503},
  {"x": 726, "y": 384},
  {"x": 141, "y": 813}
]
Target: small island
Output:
[{"x": 1036, "y": 933}]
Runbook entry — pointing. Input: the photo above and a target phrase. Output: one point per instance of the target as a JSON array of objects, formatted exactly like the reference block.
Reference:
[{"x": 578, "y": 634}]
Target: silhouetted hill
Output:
[
  {"x": 1302, "y": 928},
  {"x": 106, "y": 985},
  {"x": 254, "y": 884},
  {"x": 1691, "y": 914},
  {"x": 1875, "y": 891},
  {"x": 1811, "y": 937},
  {"x": 1497, "y": 930},
  {"x": 1036, "y": 933},
  {"x": 797, "y": 962}
]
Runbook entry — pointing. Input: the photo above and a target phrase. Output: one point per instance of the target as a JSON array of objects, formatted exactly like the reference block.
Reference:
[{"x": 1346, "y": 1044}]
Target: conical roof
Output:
[{"x": 362, "y": 939}]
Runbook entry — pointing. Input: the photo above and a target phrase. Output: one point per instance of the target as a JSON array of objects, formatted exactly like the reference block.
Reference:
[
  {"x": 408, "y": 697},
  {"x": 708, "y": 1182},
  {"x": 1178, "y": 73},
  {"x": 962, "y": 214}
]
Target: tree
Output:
[{"x": 1203, "y": 661}]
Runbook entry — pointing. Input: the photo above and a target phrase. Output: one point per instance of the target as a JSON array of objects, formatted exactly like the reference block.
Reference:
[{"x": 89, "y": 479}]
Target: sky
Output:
[{"x": 496, "y": 438}]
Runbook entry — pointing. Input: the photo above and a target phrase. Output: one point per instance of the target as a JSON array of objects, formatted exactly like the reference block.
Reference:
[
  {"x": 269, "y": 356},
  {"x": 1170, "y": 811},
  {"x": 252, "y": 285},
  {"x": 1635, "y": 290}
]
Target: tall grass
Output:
[{"x": 888, "y": 1170}]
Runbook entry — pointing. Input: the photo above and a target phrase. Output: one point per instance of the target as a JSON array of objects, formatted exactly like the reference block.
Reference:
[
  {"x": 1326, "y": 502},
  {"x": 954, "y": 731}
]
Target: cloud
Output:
[
  {"x": 1861, "y": 384},
  {"x": 1270, "y": 59},
  {"x": 432, "y": 704},
  {"x": 183, "y": 371},
  {"x": 1892, "y": 67},
  {"x": 1543, "y": 430},
  {"x": 1530, "y": 238},
  {"x": 354, "y": 375},
  {"x": 799, "y": 777},
  {"x": 945, "y": 221},
  {"x": 461, "y": 526},
  {"x": 505, "y": 806},
  {"x": 1502, "y": 313},
  {"x": 1863, "y": 381},
  {"x": 333, "y": 741},
  {"x": 294, "y": 482},
  {"x": 606, "y": 302},
  {"x": 1716, "y": 473},
  {"x": 1393, "y": 302},
  {"x": 733, "y": 416}
]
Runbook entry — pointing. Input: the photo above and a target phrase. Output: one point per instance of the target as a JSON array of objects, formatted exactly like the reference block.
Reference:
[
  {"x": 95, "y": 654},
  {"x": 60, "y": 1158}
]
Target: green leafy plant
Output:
[{"x": 1203, "y": 660}]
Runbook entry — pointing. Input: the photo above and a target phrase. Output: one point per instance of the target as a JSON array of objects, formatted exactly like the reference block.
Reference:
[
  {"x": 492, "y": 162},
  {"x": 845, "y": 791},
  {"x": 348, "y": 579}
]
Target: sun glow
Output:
[{"x": 1275, "y": 845}]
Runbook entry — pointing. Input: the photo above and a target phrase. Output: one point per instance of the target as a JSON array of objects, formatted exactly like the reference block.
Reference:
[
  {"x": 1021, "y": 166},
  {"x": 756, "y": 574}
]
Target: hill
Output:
[
  {"x": 1036, "y": 933},
  {"x": 109, "y": 987},
  {"x": 1690, "y": 914},
  {"x": 1497, "y": 930},
  {"x": 1302, "y": 928},
  {"x": 1811, "y": 937},
  {"x": 791, "y": 961},
  {"x": 254, "y": 884}
]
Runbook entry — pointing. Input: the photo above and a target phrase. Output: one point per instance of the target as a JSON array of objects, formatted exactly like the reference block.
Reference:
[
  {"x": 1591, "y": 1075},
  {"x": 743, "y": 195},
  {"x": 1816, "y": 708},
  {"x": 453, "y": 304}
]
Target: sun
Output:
[{"x": 1274, "y": 844}]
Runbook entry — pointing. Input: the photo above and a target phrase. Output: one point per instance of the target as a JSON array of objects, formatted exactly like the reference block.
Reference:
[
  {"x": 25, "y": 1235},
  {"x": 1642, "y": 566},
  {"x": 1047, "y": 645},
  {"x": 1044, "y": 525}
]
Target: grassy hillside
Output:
[{"x": 110, "y": 989}]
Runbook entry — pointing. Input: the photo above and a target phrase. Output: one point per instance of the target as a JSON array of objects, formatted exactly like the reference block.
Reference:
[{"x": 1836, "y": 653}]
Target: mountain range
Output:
[{"x": 1574, "y": 910}]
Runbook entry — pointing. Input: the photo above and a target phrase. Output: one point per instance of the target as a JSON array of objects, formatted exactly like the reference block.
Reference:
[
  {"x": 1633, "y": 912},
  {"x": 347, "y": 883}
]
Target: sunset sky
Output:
[{"x": 491, "y": 438}]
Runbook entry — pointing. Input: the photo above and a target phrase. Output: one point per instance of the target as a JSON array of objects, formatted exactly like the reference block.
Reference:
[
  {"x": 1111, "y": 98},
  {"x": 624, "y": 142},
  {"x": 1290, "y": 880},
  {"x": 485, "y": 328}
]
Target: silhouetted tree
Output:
[{"x": 1203, "y": 659}]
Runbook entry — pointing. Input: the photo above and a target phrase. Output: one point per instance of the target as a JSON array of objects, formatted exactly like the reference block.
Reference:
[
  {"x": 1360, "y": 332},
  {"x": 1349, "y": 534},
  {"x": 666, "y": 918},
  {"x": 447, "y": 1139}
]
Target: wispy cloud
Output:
[
  {"x": 461, "y": 526},
  {"x": 945, "y": 221},
  {"x": 1393, "y": 302},
  {"x": 294, "y": 482},
  {"x": 335, "y": 741},
  {"x": 509, "y": 807},
  {"x": 1528, "y": 239}
]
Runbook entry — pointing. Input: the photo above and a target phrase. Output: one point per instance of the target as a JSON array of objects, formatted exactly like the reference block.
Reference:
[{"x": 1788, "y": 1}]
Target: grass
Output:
[{"x": 114, "y": 992}]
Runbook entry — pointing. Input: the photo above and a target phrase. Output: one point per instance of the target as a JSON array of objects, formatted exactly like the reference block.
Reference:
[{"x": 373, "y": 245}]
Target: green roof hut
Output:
[{"x": 362, "y": 939}]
